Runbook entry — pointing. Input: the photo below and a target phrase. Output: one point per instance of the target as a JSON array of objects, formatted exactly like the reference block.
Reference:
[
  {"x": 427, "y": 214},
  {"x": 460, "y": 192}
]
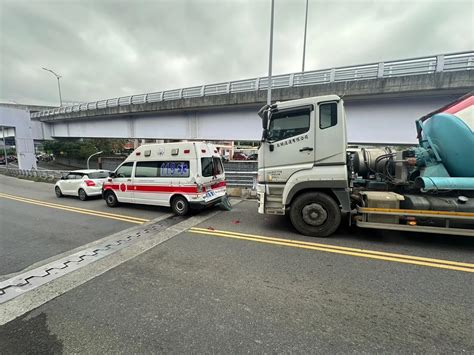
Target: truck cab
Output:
[{"x": 302, "y": 163}]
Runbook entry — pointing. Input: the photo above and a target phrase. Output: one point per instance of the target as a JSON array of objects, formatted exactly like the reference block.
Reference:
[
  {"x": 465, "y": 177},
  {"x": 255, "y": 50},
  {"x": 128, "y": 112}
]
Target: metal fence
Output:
[
  {"x": 233, "y": 178},
  {"x": 241, "y": 179},
  {"x": 414, "y": 66}
]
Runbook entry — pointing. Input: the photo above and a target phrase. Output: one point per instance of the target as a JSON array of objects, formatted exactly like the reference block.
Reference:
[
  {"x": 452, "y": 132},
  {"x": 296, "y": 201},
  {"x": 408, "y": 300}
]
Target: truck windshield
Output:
[{"x": 288, "y": 124}]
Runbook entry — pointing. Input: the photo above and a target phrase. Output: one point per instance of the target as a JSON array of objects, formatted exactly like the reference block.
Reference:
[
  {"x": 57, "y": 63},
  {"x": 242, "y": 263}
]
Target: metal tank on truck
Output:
[
  {"x": 307, "y": 171},
  {"x": 449, "y": 137}
]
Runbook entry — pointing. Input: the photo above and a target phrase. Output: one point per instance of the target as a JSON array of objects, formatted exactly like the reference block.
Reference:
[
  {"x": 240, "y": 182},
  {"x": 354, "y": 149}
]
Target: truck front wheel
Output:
[{"x": 315, "y": 214}]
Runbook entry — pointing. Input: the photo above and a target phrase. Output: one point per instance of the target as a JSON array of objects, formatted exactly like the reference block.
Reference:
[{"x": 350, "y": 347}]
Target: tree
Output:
[{"x": 82, "y": 149}]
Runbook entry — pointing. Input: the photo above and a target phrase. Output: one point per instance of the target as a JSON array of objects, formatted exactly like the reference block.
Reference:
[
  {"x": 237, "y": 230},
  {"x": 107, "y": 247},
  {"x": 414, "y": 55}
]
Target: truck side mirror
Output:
[
  {"x": 112, "y": 175},
  {"x": 264, "y": 135},
  {"x": 265, "y": 120}
]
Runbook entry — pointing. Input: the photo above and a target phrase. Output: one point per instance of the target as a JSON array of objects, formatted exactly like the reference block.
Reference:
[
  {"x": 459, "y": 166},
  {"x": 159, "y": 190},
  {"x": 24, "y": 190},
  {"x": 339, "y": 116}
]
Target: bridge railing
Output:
[{"x": 414, "y": 66}]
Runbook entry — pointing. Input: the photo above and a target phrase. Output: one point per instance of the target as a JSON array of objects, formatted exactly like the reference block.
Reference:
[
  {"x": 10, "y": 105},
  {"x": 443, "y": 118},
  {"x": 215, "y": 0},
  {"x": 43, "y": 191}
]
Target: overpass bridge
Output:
[{"x": 378, "y": 96}]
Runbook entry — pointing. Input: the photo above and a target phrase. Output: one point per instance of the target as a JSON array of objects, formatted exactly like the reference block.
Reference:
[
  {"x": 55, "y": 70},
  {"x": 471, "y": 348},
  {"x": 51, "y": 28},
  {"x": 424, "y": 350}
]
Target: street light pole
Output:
[
  {"x": 92, "y": 156},
  {"x": 269, "y": 92},
  {"x": 304, "y": 41},
  {"x": 59, "y": 85}
]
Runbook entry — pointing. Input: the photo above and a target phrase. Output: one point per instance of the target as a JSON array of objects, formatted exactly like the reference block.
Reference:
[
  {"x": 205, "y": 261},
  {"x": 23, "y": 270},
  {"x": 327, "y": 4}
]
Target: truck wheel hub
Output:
[{"x": 314, "y": 214}]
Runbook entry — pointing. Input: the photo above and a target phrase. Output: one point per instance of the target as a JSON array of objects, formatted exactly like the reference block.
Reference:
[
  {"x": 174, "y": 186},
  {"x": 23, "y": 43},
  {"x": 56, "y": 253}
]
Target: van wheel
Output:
[
  {"x": 82, "y": 195},
  {"x": 315, "y": 214},
  {"x": 111, "y": 199},
  {"x": 58, "y": 192},
  {"x": 180, "y": 206}
]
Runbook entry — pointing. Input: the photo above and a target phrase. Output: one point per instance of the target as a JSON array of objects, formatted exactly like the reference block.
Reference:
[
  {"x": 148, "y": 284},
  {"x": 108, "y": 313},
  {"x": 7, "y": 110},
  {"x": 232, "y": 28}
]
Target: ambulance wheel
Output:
[
  {"x": 111, "y": 199},
  {"x": 315, "y": 214},
  {"x": 180, "y": 206}
]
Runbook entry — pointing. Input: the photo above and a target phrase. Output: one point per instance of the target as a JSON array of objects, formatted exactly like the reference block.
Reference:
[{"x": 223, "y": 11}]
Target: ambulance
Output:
[{"x": 183, "y": 176}]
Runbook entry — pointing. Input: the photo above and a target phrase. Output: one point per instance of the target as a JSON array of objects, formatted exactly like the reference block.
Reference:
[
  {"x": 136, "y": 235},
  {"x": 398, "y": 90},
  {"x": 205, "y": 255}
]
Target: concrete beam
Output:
[
  {"x": 441, "y": 83},
  {"x": 375, "y": 120}
]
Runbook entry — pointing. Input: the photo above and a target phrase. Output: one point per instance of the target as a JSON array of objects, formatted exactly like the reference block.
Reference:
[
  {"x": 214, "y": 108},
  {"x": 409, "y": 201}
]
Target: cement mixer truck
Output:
[{"x": 307, "y": 170}]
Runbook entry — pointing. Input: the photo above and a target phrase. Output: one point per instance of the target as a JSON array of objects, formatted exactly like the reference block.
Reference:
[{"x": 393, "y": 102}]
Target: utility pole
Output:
[
  {"x": 59, "y": 85},
  {"x": 269, "y": 92},
  {"x": 304, "y": 40}
]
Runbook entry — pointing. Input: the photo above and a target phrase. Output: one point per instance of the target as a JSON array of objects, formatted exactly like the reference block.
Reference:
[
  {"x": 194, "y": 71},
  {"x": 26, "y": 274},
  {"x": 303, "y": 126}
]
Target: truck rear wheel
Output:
[{"x": 315, "y": 214}]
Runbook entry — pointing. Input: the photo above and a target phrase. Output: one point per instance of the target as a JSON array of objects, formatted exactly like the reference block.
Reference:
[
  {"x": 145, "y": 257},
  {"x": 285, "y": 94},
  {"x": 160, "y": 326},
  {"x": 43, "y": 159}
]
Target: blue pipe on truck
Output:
[{"x": 444, "y": 183}]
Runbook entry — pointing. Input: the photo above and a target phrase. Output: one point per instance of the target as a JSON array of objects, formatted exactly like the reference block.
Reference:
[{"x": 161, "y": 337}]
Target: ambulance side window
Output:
[
  {"x": 174, "y": 168},
  {"x": 125, "y": 171},
  {"x": 207, "y": 167},
  {"x": 147, "y": 169},
  {"x": 169, "y": 168},
  {"x": 218, "y": 168}
]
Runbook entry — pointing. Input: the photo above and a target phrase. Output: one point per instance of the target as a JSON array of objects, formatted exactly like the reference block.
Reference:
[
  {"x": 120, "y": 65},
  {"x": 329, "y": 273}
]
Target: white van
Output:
[{"x": 180, "y": 175}]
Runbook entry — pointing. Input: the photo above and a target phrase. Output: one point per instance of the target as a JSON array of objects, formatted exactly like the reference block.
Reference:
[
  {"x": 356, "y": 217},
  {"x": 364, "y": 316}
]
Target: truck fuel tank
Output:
[{"x": 438, "y": 203}]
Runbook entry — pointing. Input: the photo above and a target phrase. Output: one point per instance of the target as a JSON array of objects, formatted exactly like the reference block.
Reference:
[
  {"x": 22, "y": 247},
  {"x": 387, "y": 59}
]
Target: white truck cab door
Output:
[
  {"x": 330, "y": 139},
  {"x": 123, "y": 179},
  {"x": 290, "y": 143}
]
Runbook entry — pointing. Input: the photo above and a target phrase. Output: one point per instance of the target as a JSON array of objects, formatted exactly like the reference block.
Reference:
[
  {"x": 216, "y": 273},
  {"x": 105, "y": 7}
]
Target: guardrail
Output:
[
  {"x": 241, "y": 179},
  {"x": 49, "y": 175},
  {"x": 233, "y": 178},
  {"x": 405, "y": 67}
]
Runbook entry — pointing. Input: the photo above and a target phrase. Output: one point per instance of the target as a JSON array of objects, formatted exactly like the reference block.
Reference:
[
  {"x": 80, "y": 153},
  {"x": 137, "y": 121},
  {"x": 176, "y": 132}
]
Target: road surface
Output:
[
  {"x": 238, "y": 282},
  {"x": 35, "y": 224}
]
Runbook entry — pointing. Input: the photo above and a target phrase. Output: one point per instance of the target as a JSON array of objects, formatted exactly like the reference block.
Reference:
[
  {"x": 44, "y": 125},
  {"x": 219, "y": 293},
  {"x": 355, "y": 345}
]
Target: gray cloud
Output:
[{"x": 115, "y": 48}]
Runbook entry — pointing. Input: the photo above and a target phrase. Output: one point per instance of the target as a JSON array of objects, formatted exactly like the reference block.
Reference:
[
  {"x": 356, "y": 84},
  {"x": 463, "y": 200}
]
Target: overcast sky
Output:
[{"x": 104, "y": 49}]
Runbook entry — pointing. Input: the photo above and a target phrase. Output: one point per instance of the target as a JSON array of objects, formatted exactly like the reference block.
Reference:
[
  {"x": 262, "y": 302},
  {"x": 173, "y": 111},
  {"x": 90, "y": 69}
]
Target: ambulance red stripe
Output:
[
  {"x": 218, "y": 185},
  {"x": 153, "y": 188},
  {"x": 157, "y": 188},
  {"x": 162, "y": 188}
]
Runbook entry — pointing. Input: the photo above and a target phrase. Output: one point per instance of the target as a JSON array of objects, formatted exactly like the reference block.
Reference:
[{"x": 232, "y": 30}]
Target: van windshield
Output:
[{"x": 211, "y": 167}]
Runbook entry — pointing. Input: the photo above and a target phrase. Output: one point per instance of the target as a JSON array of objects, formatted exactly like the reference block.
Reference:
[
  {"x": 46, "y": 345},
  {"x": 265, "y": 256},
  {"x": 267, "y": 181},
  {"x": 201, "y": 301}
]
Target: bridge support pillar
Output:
[{"x": 19, "y": 119}]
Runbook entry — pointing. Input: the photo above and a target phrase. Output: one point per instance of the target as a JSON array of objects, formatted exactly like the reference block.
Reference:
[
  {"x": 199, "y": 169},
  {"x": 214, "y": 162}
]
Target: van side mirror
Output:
[
  {"x": 112, "y": 175},
  {"x": 63, "y": 177}
]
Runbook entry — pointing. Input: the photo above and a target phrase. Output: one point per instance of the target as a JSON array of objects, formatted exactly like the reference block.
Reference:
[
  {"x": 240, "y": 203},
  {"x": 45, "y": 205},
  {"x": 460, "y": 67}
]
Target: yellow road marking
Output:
[
  {"x": 400, "y": 258},
  {"x": 410, "y": 257},
  {"x": 400, "y": 211},
  {"x": 76, "y": 208},
  {"x": 114, "y": 216}
]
